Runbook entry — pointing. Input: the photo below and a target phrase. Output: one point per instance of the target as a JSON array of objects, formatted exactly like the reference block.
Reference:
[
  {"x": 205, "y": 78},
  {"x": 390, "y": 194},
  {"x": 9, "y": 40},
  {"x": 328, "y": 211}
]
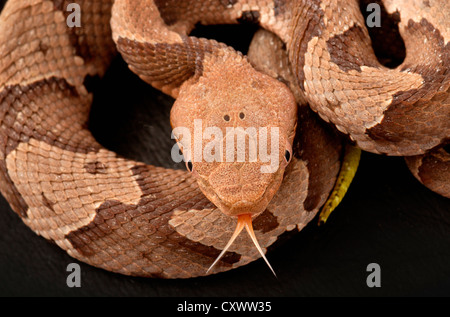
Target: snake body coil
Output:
[{"x": 137, "y": 219}]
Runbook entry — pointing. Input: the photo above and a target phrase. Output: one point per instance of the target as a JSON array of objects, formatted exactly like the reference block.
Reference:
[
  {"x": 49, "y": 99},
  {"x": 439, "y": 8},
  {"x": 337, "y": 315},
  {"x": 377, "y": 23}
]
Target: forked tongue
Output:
[{"x": 243, "y": 221}]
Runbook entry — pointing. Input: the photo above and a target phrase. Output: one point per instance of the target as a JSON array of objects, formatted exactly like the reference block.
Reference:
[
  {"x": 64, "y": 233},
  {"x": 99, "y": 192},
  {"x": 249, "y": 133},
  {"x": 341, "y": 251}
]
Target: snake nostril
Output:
[
  {"x": 226, "y": 117},
  {"x": 242, "y": 115}
]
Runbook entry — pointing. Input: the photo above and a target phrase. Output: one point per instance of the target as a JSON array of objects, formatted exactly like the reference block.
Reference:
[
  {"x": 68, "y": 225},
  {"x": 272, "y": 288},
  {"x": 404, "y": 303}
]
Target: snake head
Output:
[{"x": 235, "y": 127}]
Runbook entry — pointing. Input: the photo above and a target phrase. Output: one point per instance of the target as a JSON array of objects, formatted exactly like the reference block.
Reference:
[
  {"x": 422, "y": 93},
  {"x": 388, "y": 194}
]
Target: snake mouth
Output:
[
  {"x": 244, "y": 217},
  {"x": 254, "y": 207},
  {"x": 244, "y": 221},
  {"x": 244, "y": 206}
]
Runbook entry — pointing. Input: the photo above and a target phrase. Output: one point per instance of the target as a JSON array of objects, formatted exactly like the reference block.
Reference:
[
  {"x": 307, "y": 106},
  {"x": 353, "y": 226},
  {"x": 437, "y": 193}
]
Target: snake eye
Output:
[
  {"x": 189, "y": 166},
  {"x": 287, "y": 156}
]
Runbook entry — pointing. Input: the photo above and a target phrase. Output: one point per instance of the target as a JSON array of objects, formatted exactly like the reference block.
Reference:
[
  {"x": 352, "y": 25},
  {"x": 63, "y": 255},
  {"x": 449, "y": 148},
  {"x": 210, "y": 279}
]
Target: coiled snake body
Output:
[{"x": 137, "y": 219}]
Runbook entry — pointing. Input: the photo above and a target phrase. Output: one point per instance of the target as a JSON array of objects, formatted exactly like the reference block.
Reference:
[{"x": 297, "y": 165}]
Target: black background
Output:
[{"x": 387, "y": 218}]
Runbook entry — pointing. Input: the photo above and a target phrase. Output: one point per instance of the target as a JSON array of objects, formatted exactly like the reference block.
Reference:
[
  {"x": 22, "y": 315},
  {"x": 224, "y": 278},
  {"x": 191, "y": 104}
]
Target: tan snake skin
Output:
[{"x": 136, "y": 219}]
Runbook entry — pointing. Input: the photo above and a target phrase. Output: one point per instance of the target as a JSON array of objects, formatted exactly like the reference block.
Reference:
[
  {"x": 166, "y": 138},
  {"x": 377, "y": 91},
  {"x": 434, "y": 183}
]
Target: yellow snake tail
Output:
[{"x": 345, "y": 178}]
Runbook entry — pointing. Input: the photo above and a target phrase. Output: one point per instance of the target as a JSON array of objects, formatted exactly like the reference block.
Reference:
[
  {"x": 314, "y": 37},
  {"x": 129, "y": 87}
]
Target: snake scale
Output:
[{"x": 128, "y": 217}]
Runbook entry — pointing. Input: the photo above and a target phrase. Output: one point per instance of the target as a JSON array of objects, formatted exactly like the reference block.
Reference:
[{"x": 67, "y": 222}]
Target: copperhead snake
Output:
[{"x": 137, "y": 219}]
